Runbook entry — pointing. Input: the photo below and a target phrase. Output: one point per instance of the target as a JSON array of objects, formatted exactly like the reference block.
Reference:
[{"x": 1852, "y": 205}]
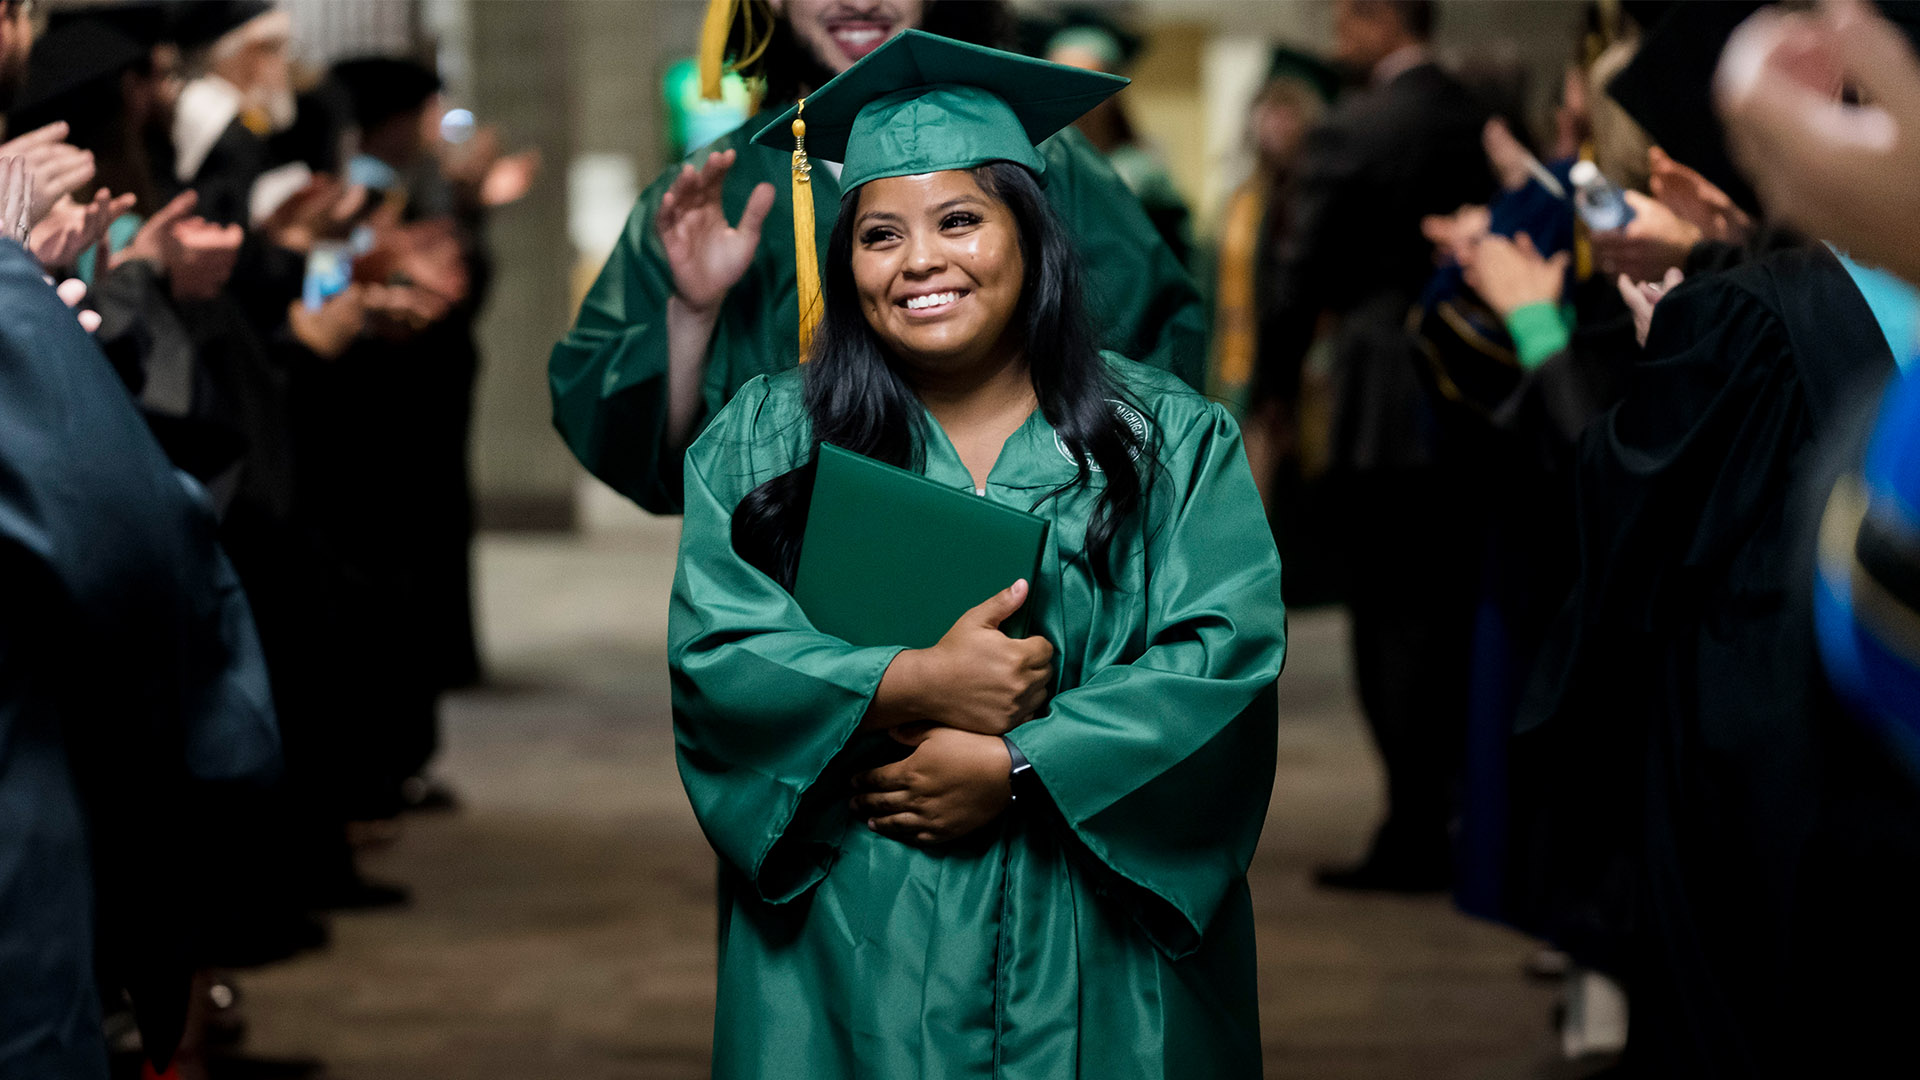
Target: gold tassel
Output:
[
  {"x": 806, "y": 260},
  {"x": 713, "y": 46}
]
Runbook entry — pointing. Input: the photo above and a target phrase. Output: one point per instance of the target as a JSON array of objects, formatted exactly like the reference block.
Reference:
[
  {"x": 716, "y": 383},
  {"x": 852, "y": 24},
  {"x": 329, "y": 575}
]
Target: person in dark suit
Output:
[
  {"x": 1406, "y": 145},
  {"x": 131, "y": 687}
]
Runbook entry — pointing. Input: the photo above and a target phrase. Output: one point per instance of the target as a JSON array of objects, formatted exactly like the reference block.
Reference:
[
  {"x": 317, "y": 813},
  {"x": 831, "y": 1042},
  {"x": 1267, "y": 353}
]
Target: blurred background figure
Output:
[
  {"x": 239, "y": 95},
  {"x": 1292, "y": 100},
  {"x": 1406, "y": 146},
  {"x": 1093, "y": 41}
]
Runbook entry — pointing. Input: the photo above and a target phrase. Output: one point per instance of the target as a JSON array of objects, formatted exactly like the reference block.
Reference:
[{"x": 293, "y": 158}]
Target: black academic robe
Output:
[
  {"x": 1677, "y": 710},
  {"x": 1521, "y": 449},
  {"x": 214, "y": 380},
  {"x": 1858, "y": 887},
  {"x": 129, "y": 671},
  {"x": 225, "y": 178},
  {"x": 1385, "y": 158}
]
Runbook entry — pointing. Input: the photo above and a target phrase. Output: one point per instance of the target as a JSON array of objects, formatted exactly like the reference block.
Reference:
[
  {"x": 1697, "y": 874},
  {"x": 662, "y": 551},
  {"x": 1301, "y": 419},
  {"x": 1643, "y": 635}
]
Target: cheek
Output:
[
  {"x": 872, "y": 276},
  {"x": 993, "y": 261}
]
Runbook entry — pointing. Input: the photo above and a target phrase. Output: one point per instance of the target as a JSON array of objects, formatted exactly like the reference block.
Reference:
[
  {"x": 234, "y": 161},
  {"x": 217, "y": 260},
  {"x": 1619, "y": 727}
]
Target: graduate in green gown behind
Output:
[
  {"x": 698, "y": 297},
  {"x": 1021, "y": 858}
]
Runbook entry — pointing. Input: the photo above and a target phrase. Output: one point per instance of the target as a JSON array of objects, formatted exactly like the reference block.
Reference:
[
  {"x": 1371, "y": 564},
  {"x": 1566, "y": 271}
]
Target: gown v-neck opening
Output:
[{"x": 954, "y": 460}]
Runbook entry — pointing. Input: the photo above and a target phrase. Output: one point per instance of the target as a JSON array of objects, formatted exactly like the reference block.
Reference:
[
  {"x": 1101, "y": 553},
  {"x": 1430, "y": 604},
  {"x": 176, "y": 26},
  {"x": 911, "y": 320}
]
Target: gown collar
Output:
[{"x": 1033, "y": 457}]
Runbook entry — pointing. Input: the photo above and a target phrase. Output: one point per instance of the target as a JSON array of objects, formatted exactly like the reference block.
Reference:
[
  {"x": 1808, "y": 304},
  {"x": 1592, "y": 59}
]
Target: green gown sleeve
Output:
[
  {"x": 608, "y": 375},
  {"x": 1144, "y": 302},
  {"x": 762, "y": 702},
  {"x": 1163, "y": 766}
]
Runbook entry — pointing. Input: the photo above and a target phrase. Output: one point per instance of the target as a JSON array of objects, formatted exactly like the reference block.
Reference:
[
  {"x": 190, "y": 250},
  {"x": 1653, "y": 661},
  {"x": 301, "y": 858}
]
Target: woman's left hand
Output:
[{"x": 953, "y": 783}]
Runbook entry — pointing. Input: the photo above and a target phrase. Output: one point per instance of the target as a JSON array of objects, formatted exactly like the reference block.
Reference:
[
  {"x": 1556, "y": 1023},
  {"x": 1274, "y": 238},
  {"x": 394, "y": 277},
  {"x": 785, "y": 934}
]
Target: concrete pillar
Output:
[
  {"x": 576, "y": 79},
  {"x": 521, "y": 78}
]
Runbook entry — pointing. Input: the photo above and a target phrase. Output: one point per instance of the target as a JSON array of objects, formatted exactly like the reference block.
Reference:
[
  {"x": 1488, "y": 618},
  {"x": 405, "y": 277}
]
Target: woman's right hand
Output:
[
  {"x": 975, "y": 678},
  {"x": 707, "y": 255}
]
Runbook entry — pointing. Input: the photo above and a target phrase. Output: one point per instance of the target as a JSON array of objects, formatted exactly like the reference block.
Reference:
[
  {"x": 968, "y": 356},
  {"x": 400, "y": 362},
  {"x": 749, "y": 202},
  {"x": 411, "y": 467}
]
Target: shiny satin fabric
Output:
[
  {"x": 1101, "y": 931},
  {"x": 608, "y": 376}
]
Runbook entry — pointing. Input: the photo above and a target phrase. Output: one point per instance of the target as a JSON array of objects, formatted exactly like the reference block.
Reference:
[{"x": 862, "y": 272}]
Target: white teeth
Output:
[
  {"x": 857, "y": 37},
  {"x": 931, "y": 300}
]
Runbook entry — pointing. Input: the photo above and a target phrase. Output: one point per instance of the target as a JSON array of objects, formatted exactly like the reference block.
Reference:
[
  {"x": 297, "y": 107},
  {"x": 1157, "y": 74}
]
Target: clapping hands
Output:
[
  {"x": 16, "y": 194},
  {"x": 322, "y": 210},
  {"x": 196, "y": 255},
  {"x": 1843, "y": 171},
  {"x": 72, "y": 227},
  {"x": 56, "y": 168},
  {"x": 484, "y": 176},
  {"x": 1511, "y": 274}
]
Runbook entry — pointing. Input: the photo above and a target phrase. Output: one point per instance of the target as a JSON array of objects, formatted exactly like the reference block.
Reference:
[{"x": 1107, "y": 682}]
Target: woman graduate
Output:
[{"x": 901, "y": 914}]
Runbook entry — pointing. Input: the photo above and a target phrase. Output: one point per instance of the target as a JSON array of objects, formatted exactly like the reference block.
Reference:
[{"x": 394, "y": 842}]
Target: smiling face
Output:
[
  {"x": 838, "y": 32},
  {"x": 938, "y": 268}
]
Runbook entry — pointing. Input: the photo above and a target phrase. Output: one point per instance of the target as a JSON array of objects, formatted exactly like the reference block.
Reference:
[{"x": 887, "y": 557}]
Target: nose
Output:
[{"x": 924, "y": 254}]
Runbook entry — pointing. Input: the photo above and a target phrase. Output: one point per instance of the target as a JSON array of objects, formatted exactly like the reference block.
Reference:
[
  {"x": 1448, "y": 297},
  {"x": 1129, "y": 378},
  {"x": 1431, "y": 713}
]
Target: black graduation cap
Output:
[
  {"x": 144, "y": 21},
  {"x": 1668, "y": 90},
  {"x": 382, "y": 87},
  {"x": 67, "y": 60},
  {"x": 1646, "y": 13},
  {"x": 1668, "y": 87},
  {"x": 192, "y": 24}
]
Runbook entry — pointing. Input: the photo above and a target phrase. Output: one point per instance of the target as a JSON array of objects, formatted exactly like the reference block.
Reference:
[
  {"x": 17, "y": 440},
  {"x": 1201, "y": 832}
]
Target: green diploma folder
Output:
[{"x": 890, "y": 557}]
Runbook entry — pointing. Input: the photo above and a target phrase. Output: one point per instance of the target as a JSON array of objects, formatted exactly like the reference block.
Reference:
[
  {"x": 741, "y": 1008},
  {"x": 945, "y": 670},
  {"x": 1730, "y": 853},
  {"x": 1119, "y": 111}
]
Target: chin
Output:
[{"x": 937, "y": 350}]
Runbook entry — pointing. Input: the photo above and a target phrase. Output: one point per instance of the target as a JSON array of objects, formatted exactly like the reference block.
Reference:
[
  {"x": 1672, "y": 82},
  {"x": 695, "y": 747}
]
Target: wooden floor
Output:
[{"x": 563, "y": 920}]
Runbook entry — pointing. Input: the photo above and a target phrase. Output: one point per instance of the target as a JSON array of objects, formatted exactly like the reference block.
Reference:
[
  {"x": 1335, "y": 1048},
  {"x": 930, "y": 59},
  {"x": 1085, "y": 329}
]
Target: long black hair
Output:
[{"x": 856, "y": 399}]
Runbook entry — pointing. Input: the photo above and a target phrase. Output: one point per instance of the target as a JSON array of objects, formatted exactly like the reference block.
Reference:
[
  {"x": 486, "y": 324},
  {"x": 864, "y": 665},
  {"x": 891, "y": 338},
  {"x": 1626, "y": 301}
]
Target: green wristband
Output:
[{"x": 1539, "y": 330}]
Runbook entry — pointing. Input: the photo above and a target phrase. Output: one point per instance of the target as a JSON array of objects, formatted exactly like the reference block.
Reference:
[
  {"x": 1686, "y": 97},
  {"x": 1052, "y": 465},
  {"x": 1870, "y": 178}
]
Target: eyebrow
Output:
[{"x": 888, "y": 216}]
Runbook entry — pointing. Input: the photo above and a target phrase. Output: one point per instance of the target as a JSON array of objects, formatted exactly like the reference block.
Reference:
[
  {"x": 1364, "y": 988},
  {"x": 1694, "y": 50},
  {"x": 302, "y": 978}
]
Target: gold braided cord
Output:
[
  {"x": 806, "y": 260},
  {"x": 718, "y": 27}
]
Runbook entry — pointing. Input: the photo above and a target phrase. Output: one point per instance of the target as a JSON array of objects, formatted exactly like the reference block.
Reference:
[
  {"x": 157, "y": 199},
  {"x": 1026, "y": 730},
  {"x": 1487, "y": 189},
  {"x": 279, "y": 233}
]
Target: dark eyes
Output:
[{"x": 881, "y": 234}]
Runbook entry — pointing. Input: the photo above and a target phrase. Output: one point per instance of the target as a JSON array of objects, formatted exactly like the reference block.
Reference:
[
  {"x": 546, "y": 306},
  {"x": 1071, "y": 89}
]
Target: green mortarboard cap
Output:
[
  {"x": 924, "y": 103},
  {"x": 1291, "y": 63}
]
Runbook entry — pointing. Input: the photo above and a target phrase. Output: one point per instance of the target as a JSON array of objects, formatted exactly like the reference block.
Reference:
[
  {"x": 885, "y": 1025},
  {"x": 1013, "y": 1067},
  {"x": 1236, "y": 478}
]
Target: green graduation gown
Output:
[
  {"x": 608, "y": 376},
  {"x": 1101, "y": 931}
]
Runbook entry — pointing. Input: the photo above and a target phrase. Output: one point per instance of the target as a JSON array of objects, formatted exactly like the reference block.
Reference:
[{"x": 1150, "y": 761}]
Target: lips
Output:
[
  {"x": 856, "y": 39},
  {"x": 931, "y": 303}
]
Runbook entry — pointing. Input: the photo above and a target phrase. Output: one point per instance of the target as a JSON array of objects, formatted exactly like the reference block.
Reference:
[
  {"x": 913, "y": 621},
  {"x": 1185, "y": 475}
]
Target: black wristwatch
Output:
[{"x": 1022, "y": 774}]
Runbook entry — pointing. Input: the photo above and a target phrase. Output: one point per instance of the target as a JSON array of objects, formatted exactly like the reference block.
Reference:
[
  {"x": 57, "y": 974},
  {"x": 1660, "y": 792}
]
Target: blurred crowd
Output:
[
  {"x": 1595, "y": 424},
  {"x": 282, "y": 268},
  {"x": 1578, "y": 420},
  {"x": 1573, "y": 412}
]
